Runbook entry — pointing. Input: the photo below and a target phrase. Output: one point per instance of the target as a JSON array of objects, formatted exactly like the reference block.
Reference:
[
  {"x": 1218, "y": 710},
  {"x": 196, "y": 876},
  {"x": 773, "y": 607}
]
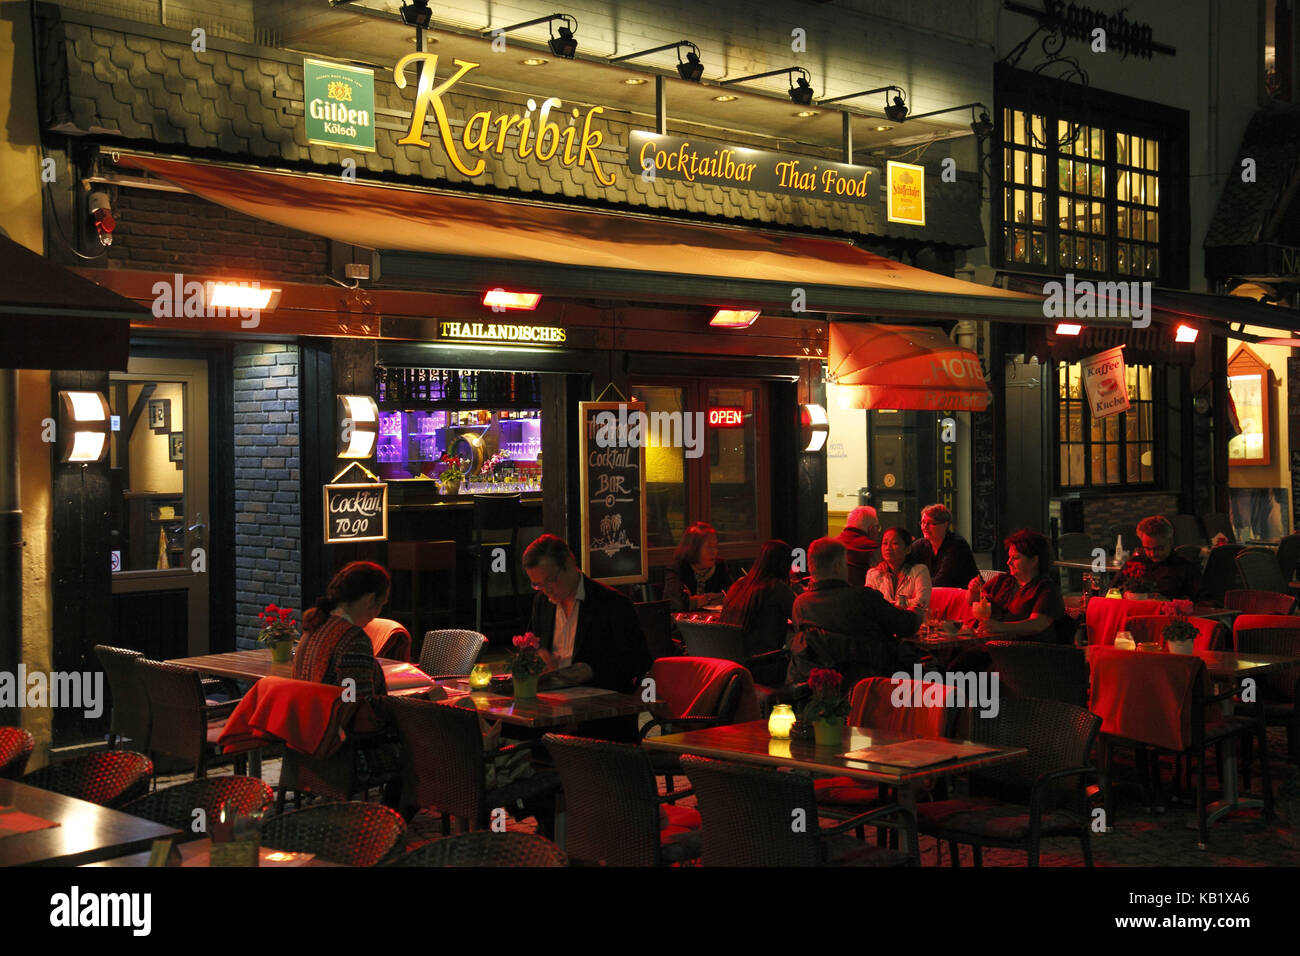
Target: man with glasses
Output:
[
  {"x": 944, "y": 552},
  {"x": 589, "y": 633},
  {"x": 1174, "y": 575}
]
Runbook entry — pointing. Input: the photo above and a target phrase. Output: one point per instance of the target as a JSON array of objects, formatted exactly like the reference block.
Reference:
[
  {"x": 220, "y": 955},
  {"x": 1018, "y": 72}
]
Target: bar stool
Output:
[
  {"x": 418, "y": 559},
  {"x": 496, "y": 525}
]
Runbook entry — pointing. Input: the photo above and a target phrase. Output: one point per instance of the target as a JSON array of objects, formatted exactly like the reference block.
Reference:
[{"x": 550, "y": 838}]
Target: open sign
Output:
[{"x": 726, "y": 417}]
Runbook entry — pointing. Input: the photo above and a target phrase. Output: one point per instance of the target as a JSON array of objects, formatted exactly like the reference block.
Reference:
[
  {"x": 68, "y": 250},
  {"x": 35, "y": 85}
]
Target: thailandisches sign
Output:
[
  {"x": 1106, "y": 382},
  {"x": 356, "y": 512},
  {"x": 339, "y": 104}
]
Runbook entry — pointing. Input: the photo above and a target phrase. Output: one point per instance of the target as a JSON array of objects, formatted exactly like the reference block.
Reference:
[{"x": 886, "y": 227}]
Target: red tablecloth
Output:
[
  {"x": 14, "y": 821},
  {"x": 1144, "y": 696},
  {"x": 1106, "y": 616},
  {"x": 950, "y": 604}
]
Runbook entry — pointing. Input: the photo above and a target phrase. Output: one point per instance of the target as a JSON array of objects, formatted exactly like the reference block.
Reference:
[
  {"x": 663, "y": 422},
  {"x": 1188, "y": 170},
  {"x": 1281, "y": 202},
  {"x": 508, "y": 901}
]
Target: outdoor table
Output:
[
  {"x": 199, "y": 853},
  {"x": 751, "y": 743},
  {"x": 1112, "y": 567},
  {"x": 555, "y": 708},
  {"x": 86, "y": 832},
  {"x": 1224, "y": 666}
]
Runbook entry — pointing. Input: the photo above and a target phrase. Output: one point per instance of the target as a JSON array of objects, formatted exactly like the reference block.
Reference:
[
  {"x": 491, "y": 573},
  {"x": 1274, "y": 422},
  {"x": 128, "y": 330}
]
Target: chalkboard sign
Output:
[
  {"x": 611, "y": 442},
  {"x": 356, "y": 512}
]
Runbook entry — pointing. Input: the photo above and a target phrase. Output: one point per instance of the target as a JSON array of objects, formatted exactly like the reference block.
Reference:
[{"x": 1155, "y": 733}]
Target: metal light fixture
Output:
[
  {"x": 690, "y": 69},
  {"x": 234, "y": 296},
  {"x": 1068, "y": 328},
  {"x": 734, "y": 318},
  {"x": 358, "y": 426},
  {"x": 801, "y": 91},
  {"x": 84, "y": 425},
  {"x": 813, "y": 427},
  {"x": 502, "y": 299},
  {"x": 897, "y": 111},
  {"x": 562, "y": 46},
  {"x": 1186, "y": 333},
  {"x": 417, "y": 14}
]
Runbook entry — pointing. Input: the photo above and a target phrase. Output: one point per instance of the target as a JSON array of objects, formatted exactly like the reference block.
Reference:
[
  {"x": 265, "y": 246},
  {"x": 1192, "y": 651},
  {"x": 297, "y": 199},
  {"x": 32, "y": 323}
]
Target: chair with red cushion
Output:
[
  {"x": 389, "y": 639},
  {"x": 1165, "y": 701},
  {"x": 16, "y": 746},
  {"x": 109, "y": 778},
  {"x": 1014, "y": 805},
  {"x": 747, "y": 813},
  {"x": 175, "y": 806},
  {"x": 949, "y": 604},
  {"x": 353, "y": 834},
  {"x": 615, "y": 814},
  {"x": 1279, "y": 689},
  {"x": 727, "y": 642},
  {"x": 1211, "y": 635},
  {"x": 1259, "y": 602}
]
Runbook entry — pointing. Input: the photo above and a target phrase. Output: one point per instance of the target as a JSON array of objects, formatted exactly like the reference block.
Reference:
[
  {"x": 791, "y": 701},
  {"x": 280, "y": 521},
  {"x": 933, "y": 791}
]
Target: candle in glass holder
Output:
[
  {"x": 480, "y": 676},
  {"x": 782, "y": 719}
]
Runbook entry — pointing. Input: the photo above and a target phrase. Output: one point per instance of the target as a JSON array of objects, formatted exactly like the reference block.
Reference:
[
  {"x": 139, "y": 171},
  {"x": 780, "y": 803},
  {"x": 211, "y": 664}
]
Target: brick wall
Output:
[
  {"x": 175, "y": 232},
  {"x": 1102, "y": 514},
  {"x": 268, "y": 531}
]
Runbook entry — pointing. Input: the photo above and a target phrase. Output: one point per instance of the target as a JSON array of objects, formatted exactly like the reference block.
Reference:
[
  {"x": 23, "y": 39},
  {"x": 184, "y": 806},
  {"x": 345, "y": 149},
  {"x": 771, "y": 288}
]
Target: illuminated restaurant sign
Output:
[
  {"x": 567, "y": 141},
  {"x": 720, "y": 417},
  {"x": 501, "y": 333},
  {"x": 737, "y": 167},
  {"x": 339, "y": 103},
  {"x": 905, "y": 193}
]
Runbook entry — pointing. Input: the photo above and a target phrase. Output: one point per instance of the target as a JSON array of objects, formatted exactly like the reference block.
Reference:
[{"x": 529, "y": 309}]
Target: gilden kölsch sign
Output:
[
  {"x": 340, "y": 105},
  {"x": 356, "y": 512},
  {"x": 1106, "y": 382}
]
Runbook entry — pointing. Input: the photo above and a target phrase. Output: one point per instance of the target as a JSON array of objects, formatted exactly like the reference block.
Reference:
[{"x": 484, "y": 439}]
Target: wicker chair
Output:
[
  {"x": 16, "y": 746},
  {"x": 444, "y": 766},
  {"x": 451, "y": 653},
  {"x": 1041, "y": 671},
  {"x": 109, "y": 778},
  {"x": 1221, "y": 574},
  {"x": 175, "y": 806},
  {"x": 727, "y": 642},
  {"x": 486, "y": 848},
  {"x": 1288, "y": 556},
  {"x": 1279, "y": 689},
  {"x": 1027, "y": 794},
  {"x": 615, "y": 813},
  {"x": 747, "y": 814},
  {"x": 130, "y": 715},
  {"x": 1260, "y": 571},
  {"x": 353, "y": 834},
  {"x": 1259, "y": 602},
  {"x": 183, "y": 724}
]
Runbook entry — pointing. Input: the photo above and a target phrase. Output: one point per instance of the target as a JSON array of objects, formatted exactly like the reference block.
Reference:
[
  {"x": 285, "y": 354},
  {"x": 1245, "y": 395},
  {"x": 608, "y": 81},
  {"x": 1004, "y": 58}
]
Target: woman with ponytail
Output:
[{"x": 334, "y": 646}]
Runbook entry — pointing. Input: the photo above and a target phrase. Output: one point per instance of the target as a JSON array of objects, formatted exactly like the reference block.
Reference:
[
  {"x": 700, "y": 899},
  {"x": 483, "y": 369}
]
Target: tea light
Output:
[
  {"x": 1124, "y": 641},
  {"x": 782, "y": 719},
  {"x": 480, "y": 676}
]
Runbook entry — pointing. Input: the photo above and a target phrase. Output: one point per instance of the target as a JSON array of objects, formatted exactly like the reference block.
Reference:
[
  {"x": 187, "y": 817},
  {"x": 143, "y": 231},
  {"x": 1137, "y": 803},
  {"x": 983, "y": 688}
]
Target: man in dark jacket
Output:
[
  {"x": 861, "y": 540},
  {"x": 852, "y": 629},
  {"x": 944, "y": 552}
]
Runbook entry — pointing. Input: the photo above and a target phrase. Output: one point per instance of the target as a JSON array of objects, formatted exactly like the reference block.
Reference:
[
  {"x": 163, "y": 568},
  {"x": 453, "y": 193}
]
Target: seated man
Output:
[
  {"x": 1174, "y": 575},
  {"x": 589, "y": 633},
  {"x": 859, "y": 614},
  {"x": 861, "y": 540}
]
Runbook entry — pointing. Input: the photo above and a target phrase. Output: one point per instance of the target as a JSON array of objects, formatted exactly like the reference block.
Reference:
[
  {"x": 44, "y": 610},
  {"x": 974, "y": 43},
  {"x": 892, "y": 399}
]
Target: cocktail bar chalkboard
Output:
[
  {"x": 356, "y": 512},
  {"x": 611, "y": 444}
]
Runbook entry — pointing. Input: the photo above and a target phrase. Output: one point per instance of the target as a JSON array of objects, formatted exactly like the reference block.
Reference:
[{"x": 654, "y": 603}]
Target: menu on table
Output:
[{"x": 918, "y": 752}]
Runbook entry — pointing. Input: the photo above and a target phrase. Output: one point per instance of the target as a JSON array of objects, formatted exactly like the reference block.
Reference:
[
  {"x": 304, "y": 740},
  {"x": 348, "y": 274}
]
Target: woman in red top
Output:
[
  {"x": 1026, "y": 602},
  {"x": 334, "y": 645}
]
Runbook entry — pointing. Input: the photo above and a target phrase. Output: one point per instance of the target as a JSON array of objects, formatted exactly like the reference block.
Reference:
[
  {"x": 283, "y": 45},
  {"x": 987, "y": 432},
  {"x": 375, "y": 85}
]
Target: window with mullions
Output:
[
  {"x": 1098, "y": 214},
  {"x": 1107, "y": 452}
]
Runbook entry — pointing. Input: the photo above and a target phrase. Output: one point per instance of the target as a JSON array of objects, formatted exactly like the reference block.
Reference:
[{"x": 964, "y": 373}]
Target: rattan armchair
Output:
[
  {"x": 450, "y": 653},
  {"x": 353, "y": 834},
  {"x": 486, "y": 848},
  {"x": 130, "y": 714},
  {"x": 1279, "y": 690},
  {"x": 1045, "y": 671},
  {"x": 1221, "y": 574},
  {"x": 1260, "y": 571},
  {"x": 751, "y": 816},
  {"x": 175, "y": 806},
  {"x": 109, "y": 778},
  {"x": 1015, "y": 804},
  {"x": 182, "y": 723},
  {"x": 16, "y": 746},
  {"x": 1258, "y": 602}
]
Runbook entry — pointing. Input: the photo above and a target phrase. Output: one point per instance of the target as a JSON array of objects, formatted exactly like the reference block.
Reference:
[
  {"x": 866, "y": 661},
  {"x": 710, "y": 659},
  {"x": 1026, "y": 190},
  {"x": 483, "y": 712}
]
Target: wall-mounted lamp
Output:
[
  {"x": 690, "y": 69},
  {"x": 503, "y": 299},
  {"x": 1186, "y": 333},
  {"x": 801, "y": 91},
  {"x": 358, "y": 426},
  {"x": 83, "y": 427},
  {"x": 1068, "y": 328},
  {"x": 564, "y": 45},
  {"x": 734, "y": 318},
  {"x": 813, "y": 427}
]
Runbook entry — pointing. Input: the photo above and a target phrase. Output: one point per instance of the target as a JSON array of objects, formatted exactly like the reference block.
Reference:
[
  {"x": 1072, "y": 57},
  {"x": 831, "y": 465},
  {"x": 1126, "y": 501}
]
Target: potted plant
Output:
[
  {"x": 828, "y": 708},
  {"x": 279, "y": 631},
  {"x": 450, "y": 477},
  {"x": 1179, "y": 633},
  {"x": 526, "y": 664},
  {"x": 1136, "y": 582}
]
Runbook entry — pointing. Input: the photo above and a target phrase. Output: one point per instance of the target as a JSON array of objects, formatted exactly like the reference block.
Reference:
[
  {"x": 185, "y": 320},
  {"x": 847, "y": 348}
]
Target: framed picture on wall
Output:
[
  {"x": 160, "y": 414},
  {"x": 176, "y": 446}
]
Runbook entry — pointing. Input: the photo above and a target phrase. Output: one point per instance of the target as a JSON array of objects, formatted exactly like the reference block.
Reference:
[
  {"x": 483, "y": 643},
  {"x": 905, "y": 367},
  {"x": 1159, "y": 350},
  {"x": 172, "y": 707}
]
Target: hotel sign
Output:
[
  {"x": 339, "y": 103},
  {"x": 905, "y": 193},
  {"x": 501, "y": 333},
  {"x": 737, "y": 167}
]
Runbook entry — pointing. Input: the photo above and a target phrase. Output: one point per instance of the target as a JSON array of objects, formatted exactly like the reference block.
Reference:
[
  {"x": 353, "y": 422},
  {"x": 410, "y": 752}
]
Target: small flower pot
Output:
[
  {"x": 1185, "y": 646},
  {"x": 281, "y": 652},
  {"x": 525, "y": 686},
  {"x": 829, "y": 733}
]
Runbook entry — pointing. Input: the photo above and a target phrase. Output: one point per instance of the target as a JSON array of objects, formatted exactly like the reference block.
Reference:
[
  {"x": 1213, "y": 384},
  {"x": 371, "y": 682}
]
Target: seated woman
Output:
[
  {"x": 900, "y": 577},
  {"x": 1026, "y": 602},
  {"x": 334, "y": 644},
  {"x": 696, "y": 577},
  {"x": 762, "y": 601}
]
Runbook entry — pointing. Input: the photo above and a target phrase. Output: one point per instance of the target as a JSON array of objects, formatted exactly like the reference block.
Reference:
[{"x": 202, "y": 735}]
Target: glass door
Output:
[{"x": 159, "y": 472}]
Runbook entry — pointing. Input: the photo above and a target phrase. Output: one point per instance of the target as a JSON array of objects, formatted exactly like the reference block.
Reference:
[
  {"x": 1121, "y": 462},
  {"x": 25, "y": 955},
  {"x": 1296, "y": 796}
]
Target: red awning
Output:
[
  {"x": 451, "y": 224},
  {"x": 895, "y": 366}
]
